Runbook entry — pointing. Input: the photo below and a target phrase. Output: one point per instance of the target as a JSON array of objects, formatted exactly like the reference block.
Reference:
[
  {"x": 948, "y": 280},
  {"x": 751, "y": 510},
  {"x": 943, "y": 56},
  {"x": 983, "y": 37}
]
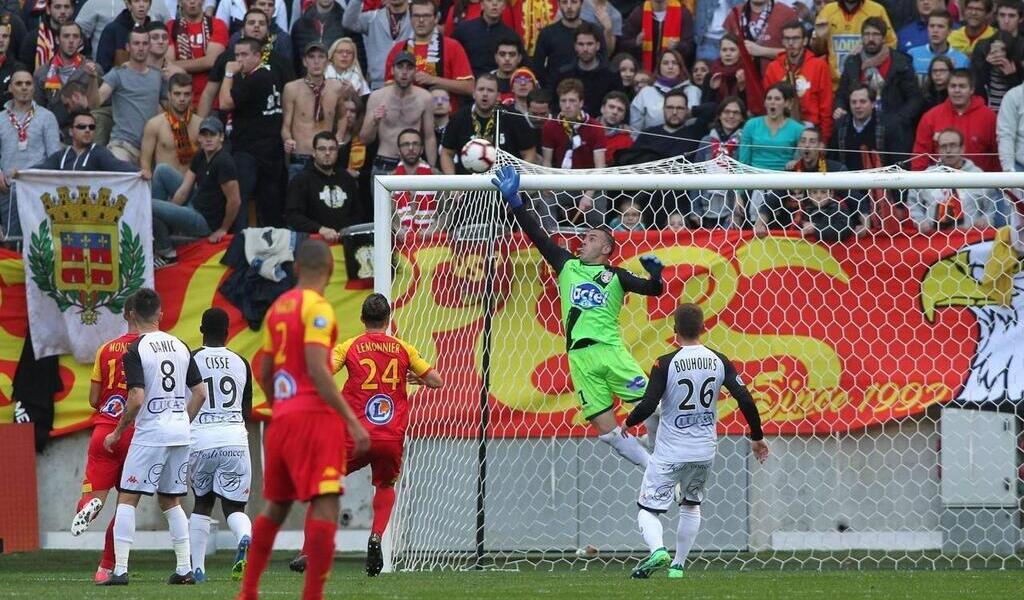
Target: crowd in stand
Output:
[{"x": 278, "y": 113}]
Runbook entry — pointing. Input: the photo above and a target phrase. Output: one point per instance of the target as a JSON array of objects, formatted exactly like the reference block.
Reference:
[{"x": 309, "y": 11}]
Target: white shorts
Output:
[
  {"x": 225, "y": 471},
  {"x": 155, "y": 469},
  {"x": 657, "y": 491}
]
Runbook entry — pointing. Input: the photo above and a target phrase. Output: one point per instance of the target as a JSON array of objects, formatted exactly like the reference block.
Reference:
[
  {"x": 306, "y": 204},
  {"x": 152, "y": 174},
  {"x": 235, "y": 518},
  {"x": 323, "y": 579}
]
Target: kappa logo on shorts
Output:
[
  {"x": 284, "y": 385},
  {"x": 638, "y": 383},
  {"x": 380, "y": 409},
  {"x": 587, "y": 296},
  {"x": 133, "y": 479}
]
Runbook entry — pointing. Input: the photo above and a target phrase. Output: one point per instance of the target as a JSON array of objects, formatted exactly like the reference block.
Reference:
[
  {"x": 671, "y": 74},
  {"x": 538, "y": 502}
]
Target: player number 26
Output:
[{"x": 388, "y": 376}]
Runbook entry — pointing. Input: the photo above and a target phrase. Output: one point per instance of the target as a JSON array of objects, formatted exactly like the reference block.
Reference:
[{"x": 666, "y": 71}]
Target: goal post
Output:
[{"x": 887, "y": 365}]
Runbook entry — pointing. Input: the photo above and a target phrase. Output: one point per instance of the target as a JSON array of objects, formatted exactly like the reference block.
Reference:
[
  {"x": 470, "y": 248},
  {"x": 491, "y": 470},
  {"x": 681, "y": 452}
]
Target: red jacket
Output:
[
  {"x": 977, "y": 124},
  {"x": 813, "y": 87}
]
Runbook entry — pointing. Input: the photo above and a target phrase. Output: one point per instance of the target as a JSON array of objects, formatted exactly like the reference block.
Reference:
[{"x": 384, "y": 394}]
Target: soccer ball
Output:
[{"x": 478, "y": 155}]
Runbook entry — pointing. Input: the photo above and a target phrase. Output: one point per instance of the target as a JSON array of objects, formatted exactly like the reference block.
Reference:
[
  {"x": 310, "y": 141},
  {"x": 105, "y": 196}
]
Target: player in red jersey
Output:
[
  {"x": 304, "y": 445},
  {"x": 377, "y": 366},
  {"x": 107, "y": 393}
]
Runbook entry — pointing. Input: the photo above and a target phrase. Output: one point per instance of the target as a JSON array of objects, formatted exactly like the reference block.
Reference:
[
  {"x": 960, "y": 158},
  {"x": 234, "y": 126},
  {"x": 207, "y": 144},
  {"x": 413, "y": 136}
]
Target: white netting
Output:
[{"x": 858, "y": 353}]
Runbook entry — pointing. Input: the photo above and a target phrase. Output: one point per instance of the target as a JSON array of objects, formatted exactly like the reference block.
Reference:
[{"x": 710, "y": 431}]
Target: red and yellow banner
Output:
[{"x": 828, "y": 338}]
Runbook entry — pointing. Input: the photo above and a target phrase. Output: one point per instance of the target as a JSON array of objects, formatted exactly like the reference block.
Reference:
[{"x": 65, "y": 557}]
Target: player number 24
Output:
[
  {"x": 389, "y": 376},
  {"x": 707, "y": 393}
]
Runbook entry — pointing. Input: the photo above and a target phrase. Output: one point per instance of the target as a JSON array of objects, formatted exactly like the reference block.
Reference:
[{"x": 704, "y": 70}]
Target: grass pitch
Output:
[{"x": 60, "y": 575}]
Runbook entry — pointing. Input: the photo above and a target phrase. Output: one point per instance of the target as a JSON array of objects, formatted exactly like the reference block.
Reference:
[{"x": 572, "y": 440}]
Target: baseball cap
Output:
[
  {"x": 405, "y": 57},
  {"x": 215, "y": 320},
  {"x": 211, "y": 124},
  {"x": 315, "y": 45}
]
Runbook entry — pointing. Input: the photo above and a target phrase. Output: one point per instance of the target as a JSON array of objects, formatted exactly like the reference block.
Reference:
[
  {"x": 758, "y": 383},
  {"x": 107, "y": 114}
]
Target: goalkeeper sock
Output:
[
  {"x": 240, "y": 525},
  {"x": 628, "y": 447},
  {"x": 198, "y": 533},
  {"x": 650, "y": 529},
  {"x": 124, "y": 535},
  {"x": 689, "y": 524},
  {"x": 263, "y": 533},
  {"x": 107, "y": 562},
  {"x": 177, "y": 524},
  {"x": 383, "y": 502},
  {"x": 320, "y": 548}
]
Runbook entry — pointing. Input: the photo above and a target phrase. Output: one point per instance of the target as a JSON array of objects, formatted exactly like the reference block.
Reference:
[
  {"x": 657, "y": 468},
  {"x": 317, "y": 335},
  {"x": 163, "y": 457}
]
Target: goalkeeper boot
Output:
[
  {"x": 675, "y": 571},
  {"x": 298, "y": 563},
  {"x": 238, "y": 571},
  {"x": 659, "y": 559},
  {"x": 374, "y": 556},
  {"x": 85, "y": 516}
]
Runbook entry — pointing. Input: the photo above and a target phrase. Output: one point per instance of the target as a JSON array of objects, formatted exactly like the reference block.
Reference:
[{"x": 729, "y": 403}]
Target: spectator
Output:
[
  {"x": 646, "y": 111},
  {"x": 524, "y": 82},
  {"x": 95, "y": 15},
  {"x": 617, "y": 134},
  {"x": 345, "y": 67},
  {"x": 415, "y": 211},
  {"x": 573, "y": 141},
  {"x": 252, "y": 92},
  {"x": 277, "y": 16},
  {"x": 676, "y": 223},
  {"x": 441, "y": 61},
  {"x": 509, "y": 58},
  {"x": 655, "y": 26},
  {"x": 838, "y": 31},
  {"x": 708, "y": 26},
  {"x": 976, "y": 26},
  {"x": 529, "y": 119},
  {"x": 134, "y": 90},
  {"x": 113, "y": 39},
  {"x": 674, "y": 137},
  {"x": 726, "y": 76},
  {"x": 604, "y": 14},
  {"x": 809, "y": 76},
  {"x": 713, "y": 209},
  {"x": 479, "y": 37},
  {"x": 700, "y": 73},
  {"x": 381, "y": 29},
  {"x": 321, "y": 197},
  {"x": 626, "y": 66},
  {"x": 825, "y": 217},
  {"x": 997, "y": 63},
  {"x": 556, "y": 45},
  {"x": 940, "y": 24},
  {"x": 39, "y": 46},
  {"x": 206, "y": 203},
  {"x": 255, "y": 26},
  {"x": 589, "y": 68},
  {"x": 442, "y": 113},
  {"x": 479, "y": 120},
  {"x": 159, "y": 42},
  {"x": 351, "y": 150},
  {"x": 631, "y": 219},
  {"x": 196, "y": 41},
  {"x": 67, "y": 65},
  {"x": 1010, "y": 130},
  {"x": 8, "y": 64},
  {"x": 641, "y": 80},
  {"x": 397, "y": 107},
  {"x": 890, "y": 74},
  {"x": 967, "y": 114},
  {"x": 917, "y": 32},
  {"x": 75, "y": 96},
  {"x": 83, "y": 154},
  {"x": 169, "y": 140},
  {"x": 28, "y": 135},
  {"x": 309, "y": 105},
  {"x": 865, "y": 138},
  {"x": 457, "y": 12},
  {"x": 936, "y": 82},
  {"x": 768, "y": 142},
  {"x": 758, "y": 23},
  {"x": 933, "y": 209}
]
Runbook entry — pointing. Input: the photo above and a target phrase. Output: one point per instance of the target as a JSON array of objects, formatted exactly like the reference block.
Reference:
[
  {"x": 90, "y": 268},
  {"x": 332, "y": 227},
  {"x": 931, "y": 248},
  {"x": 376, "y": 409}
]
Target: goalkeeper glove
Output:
[
  {"x": 652, "y": 264},
  {"x": 507, "y": 181}
]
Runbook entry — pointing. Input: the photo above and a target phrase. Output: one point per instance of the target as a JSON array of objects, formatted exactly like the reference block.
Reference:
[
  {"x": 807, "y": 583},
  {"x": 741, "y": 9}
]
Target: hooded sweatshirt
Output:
[{"x": 316, "y": 199}]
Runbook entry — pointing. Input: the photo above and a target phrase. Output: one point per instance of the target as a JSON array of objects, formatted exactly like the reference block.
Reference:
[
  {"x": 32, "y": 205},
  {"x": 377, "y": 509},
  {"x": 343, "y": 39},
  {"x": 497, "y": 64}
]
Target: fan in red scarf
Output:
[
  {"x": 196, "y": 40},
  {"x": 415, "y": 210},
  {"x": 56, "y": 13}
]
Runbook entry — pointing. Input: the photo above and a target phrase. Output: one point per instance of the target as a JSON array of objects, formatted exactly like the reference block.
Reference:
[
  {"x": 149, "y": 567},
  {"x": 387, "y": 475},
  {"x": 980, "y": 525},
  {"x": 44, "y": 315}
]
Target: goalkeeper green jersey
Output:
[{"x": 591, "y": 295}]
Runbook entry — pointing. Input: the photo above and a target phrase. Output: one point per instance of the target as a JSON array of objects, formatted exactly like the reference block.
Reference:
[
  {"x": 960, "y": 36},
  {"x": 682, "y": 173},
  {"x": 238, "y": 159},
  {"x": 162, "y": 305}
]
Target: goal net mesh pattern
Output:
[{"x": 885, "y": 364}]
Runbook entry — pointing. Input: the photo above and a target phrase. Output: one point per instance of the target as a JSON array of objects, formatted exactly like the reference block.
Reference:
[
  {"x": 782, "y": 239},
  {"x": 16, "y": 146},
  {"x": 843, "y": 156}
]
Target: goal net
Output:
[{"x": 886, "y": 359}]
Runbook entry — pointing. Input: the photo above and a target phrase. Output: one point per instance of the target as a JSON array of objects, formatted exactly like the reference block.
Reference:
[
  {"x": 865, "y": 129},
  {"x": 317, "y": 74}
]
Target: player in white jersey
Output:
[
  {"x": 164, "y": 394},
  {"x": 219, "y": 465},
  {"x": 686, "y": 384}
]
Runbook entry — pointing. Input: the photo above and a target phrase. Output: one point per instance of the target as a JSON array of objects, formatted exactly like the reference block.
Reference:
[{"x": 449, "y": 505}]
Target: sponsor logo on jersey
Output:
[
  {"x": 284, "y": 385},
  {"x": 114, "y": 406},
  {"x": 320, "y": 322},
  {"x": 605, "y": 277},
  {"x": 703, "y": 419},
  {"x": 638, "y": 383},
  {"x": 157, "y": 406},
  {"x": 380, "y": 409},
  {"x": 587, "y": 296}
]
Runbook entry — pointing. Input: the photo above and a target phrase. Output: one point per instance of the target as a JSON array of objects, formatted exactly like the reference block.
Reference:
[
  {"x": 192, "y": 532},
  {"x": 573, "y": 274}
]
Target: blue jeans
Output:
[
  {"x": 170, "y": 218},
  {"x": 297, "y": 164},
  {"x": 166, "y": 181}
]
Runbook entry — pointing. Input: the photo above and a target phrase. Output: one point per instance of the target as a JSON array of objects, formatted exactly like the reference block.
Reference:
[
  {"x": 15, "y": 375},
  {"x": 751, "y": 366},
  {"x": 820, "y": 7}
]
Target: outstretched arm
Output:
[
  {"x": 507, "y": 181},
  {"x": 647, "y": 287}
]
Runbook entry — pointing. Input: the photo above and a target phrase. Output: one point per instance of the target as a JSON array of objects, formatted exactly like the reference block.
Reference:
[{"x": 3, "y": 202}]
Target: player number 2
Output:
[
  {"x": 389, "y": 376},
  {"x": 282, "y": 329},
  {"x": 707, "y": 393},
  {"x": 227, "y": 386}
]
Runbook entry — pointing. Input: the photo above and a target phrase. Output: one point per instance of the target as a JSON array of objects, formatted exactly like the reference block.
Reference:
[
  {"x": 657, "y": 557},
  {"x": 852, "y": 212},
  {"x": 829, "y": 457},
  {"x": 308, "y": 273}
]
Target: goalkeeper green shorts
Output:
[{"x": 600, "y": 372}]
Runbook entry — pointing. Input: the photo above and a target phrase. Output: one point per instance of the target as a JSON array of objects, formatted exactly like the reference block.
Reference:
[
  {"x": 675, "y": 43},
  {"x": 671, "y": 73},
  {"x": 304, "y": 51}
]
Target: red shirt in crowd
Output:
[
  {"x": 452, "y": 56},
  {"x": 977, "y": 124},
  {"x": 582, "y": 138},
  {"x": 198, "y": 43}
]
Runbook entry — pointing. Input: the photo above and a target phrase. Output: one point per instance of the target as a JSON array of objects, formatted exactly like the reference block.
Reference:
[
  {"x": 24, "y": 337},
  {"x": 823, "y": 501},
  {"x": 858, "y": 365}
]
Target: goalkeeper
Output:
[{"x": 592, "y": 292}]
